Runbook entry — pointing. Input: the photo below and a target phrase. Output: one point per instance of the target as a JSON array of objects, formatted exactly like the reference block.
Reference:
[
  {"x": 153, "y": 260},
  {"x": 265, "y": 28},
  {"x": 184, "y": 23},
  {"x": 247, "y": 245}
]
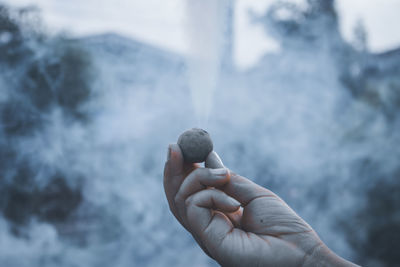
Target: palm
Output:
[{"x": 264, "y": 230}]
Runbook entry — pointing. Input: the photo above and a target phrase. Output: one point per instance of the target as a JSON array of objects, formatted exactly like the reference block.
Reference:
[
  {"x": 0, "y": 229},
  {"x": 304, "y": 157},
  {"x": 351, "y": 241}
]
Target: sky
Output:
[{"x": 161, "y": 22}]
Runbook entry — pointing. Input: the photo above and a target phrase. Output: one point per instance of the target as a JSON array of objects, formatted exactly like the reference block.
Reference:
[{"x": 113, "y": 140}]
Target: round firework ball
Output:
[{"x": 195, "y": 144}]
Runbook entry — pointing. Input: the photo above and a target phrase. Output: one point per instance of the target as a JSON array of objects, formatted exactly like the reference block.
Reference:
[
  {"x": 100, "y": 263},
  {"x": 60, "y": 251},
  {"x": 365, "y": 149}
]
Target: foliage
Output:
[{"x": 38, "y": 75}]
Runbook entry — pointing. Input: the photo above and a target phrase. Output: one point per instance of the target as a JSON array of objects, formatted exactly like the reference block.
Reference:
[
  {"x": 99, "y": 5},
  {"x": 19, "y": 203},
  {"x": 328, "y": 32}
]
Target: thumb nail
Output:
[
  {"x": 213, "y": 161},
  {"x": 235, "y": 202}
]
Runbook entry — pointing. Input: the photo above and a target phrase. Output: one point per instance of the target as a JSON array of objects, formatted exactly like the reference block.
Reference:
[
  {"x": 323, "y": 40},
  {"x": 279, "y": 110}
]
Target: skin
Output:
[{"x": 237, "y": 222}]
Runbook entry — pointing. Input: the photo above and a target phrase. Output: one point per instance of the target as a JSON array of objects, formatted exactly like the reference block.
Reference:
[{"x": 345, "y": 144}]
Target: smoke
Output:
[
  {"x": 85, "y": 126},
  {"x": 205, "y": 32}
]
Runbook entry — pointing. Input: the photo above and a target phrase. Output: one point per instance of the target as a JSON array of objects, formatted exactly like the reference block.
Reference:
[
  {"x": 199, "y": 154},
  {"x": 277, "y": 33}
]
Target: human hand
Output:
[{"x": 237, "y": 222}]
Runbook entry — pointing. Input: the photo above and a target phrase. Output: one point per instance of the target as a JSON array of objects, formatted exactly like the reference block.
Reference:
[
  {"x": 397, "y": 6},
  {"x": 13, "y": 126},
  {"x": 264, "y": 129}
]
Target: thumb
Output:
[
  {"x": 238, "y": 187},
  {"x": 213, "y": 161}
]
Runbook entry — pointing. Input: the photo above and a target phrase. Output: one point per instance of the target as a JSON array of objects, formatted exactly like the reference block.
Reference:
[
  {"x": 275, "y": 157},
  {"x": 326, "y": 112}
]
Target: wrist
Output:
[{"x": 323, "y": 256}]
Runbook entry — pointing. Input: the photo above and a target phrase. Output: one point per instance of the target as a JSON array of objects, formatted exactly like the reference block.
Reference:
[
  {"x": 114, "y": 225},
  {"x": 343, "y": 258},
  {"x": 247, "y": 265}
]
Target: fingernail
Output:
[
  {"x": 235, "y": 202},
  {"x": 219, "y": 172},
  {"x": 169, "y": 152}
]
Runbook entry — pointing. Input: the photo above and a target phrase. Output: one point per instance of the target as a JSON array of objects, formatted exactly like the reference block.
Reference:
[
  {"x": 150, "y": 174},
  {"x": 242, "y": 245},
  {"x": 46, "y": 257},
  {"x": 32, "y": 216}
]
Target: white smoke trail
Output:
[{"x": 204, "y": 30}]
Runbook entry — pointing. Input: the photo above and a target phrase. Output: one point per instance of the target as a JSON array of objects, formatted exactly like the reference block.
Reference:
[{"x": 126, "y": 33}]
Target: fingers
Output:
[
  {"x": 175, "y": 183},
  {"x": 208, "y": 225},
  {"x": 214, "y": 161},
  {"x": 244, "y": 190},
  {"x": 199, "y": 179},
  {"x": 238, "y": 187},
  {"x": 175, "y": 171},
  {"x": 213, "y": 199},
  {"x": 235, "y": 217}
]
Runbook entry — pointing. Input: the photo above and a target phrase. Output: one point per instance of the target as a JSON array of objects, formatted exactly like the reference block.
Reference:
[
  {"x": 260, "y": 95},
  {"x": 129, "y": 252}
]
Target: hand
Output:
[{"x": 237, "y": 222}]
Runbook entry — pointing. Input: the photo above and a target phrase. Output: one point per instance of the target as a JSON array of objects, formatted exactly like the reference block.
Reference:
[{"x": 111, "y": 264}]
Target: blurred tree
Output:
[
  {"x": 294, "y": 26},
  {"x": 38, "y": 75},
  {"x": 312, "y": 31},
  {"x": 360, "y": 36}
]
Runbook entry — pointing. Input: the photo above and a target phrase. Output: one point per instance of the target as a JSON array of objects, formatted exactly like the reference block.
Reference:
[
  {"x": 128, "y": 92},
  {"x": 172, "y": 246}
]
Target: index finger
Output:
[
  {"x": 238, "y": 187},
  {"x": 244, "y": 190},
  {"x": 175, "y": 171}
]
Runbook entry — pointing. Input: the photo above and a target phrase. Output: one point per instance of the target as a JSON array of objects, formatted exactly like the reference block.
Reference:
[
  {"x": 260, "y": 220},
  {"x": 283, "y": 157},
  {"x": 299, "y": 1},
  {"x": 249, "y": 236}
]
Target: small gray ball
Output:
[{"x": 195, "y": 144}]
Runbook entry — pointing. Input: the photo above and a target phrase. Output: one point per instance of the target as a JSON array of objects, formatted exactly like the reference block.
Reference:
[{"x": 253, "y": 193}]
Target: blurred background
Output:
[{"x": 302, "y": 97}]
